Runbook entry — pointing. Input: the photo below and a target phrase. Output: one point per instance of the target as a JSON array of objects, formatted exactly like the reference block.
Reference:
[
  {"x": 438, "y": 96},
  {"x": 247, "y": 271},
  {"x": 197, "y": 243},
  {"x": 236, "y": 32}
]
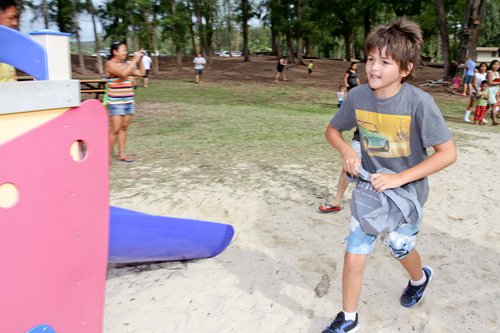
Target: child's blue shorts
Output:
[{"x": 400, "y": 241}]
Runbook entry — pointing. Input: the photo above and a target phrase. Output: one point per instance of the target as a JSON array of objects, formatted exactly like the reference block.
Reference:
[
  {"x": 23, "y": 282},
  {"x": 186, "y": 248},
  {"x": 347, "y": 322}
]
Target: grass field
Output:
[{"x": 214, "y": 133}]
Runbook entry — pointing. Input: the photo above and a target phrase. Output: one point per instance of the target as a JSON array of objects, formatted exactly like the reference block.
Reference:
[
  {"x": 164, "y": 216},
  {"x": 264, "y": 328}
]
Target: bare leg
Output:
[
  {"x": 352, "y": 278},
  {"x": 197, "y": 78},
  {"x": 122, "y": 136},
  {"x": 341, "y": 187},
  {"x": 492, "y": 108},
  {"x": 277, "y": 76},
  {"x": 145, "y": 84},
  {"x": 115, "y": 123},
  {"x": 413, "y": 265}
]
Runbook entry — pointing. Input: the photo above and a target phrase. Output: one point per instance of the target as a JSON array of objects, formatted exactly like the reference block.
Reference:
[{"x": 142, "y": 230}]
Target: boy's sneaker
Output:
[
  {"x": 340, "y": 325},
  {"x": 414, "y": 294}
]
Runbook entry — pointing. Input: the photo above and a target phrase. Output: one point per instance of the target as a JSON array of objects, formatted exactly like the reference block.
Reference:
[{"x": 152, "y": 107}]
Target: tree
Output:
[
  {"x": 469, "y": 36},
  {"x": 76, "y": 31},
  {"x": 445, "y": 41},
  {"x": 45, "y": 14},
  {"x": 175, "y": 25},
  {"x": 229, "y": 24},
  {"x": 204, "y": 11},
  {"x": 97, "y": 48},
  {"x": 298, "y": 32},
  {"x": 490, "y": 31},
  {"x": 245, "y": 15}
]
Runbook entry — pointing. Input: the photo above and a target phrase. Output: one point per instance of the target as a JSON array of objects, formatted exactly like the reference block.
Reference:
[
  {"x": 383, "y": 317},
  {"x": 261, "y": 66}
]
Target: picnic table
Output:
[{"x": 93, "y": 86}]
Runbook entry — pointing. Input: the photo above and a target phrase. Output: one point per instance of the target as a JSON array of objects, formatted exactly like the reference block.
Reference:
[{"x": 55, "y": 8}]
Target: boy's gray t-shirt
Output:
[{"x": 394, "y": 132}]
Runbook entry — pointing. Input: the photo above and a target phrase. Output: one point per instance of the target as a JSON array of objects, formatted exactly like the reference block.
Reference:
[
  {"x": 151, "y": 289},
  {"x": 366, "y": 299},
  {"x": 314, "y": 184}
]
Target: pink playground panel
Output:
[{"x": 54, "y": 239}]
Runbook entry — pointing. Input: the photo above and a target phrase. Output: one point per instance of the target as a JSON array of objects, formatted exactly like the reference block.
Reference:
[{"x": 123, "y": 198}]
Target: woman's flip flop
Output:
[{"x": 328, "y": 208}]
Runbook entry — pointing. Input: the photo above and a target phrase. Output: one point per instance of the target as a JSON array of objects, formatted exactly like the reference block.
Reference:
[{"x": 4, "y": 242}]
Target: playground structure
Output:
[{"x": 55, "y": 236}]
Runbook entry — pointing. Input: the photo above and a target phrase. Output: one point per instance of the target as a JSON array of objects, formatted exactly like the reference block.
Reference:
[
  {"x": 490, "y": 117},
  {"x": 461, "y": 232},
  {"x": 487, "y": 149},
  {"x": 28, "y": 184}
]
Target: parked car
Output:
[
  {"x": 103, "y": 53},
  {"x": 227, "y": 54}
]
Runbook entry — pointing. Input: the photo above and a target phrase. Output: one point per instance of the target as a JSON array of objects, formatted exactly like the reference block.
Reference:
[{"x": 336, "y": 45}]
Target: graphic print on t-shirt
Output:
[{"x": 384, "y": 135}]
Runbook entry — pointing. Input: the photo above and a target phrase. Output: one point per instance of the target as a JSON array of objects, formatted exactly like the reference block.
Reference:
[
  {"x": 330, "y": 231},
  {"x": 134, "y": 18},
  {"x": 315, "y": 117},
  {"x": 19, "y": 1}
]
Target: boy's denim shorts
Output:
[
  {"x": 121, "y": 109},
  {"x": 400, "y": 241}
]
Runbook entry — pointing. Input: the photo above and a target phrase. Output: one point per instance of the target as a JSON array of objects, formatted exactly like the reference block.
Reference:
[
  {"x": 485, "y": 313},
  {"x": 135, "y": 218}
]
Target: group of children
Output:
[{"x": 484, "y": 92}]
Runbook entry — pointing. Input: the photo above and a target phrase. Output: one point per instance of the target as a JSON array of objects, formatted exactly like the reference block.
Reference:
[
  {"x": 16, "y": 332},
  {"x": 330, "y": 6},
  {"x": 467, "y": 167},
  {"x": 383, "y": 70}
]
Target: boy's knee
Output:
[{"x": 354, "y": 262}]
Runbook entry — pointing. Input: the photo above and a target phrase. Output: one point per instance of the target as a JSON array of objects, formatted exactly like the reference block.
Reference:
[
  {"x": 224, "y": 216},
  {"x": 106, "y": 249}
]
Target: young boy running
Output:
[{"x": 397, "y": 122}]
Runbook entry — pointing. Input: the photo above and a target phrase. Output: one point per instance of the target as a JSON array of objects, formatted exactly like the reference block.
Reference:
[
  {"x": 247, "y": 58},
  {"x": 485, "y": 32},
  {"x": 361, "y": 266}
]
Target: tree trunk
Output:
[
  {"x": 81, "y": 61},
  {"x": 276, "y": 45},
  {"x": 178, "y": 50},
  {"x": 191, "y": 30},
  {"x": 229, "y": 26},
  {"x": 299, "y": 33},
  {"x": 309, "y": 47},
  {"x": 349, "y": 41},
  {"x": 367, "y": 25},
  {"x": 209, "y": 29},
  {"x": 290, "y": 55},
  {"x": 99, "y": 63},
  {"x": 45, "y": 14},
  {"x": 445, "y": 40},
  {"x": 245, "y": 13},
  {"x": 474, "y": 13}
]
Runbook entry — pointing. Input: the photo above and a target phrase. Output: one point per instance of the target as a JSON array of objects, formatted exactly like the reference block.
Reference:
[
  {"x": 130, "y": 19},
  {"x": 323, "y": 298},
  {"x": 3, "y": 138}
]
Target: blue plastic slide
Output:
[{"x": 138, "y": 237}]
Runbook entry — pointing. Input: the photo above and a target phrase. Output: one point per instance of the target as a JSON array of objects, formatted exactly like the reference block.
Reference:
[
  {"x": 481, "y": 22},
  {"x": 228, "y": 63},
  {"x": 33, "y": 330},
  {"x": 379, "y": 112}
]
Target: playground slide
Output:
[{"x": 138, "y": 237}]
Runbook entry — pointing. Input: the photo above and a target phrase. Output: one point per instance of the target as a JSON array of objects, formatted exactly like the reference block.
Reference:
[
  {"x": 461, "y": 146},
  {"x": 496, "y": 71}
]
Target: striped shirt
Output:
[{"x": 120, "y": 90}]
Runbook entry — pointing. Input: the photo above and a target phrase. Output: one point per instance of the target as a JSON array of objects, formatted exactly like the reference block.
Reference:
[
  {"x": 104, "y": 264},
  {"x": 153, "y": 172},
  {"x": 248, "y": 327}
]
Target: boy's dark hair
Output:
[
  {"x": 402, "y": 41},
  {"x": 484, "y": 82},
  {"x": 4, "y": 4}
]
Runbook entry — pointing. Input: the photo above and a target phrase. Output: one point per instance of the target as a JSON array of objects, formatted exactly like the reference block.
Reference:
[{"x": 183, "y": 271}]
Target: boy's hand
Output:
[
  {"x": 384, "y": 181},
  {"x": 351, "y": 162}
]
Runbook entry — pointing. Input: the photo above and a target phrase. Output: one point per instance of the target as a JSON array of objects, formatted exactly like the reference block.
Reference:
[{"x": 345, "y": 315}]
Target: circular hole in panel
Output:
[
  {"x": 9, "y": 195},
  {"x": 78, "y": 150}
]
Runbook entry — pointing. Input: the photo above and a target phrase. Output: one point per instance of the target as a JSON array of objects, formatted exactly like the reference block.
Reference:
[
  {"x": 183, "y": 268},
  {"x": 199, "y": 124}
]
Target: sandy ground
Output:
[{"x": 282, "y": 271}]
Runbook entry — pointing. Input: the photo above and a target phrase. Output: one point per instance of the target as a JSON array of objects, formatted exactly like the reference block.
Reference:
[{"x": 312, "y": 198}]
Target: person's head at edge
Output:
[
  {"x": 8, "y": 13},
  {"x": 118, "y": 50}
]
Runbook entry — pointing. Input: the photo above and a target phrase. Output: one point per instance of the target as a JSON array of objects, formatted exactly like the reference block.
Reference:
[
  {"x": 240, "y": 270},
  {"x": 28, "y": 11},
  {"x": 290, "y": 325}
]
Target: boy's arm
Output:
[
  {"x": 350, "y": 160},
  {"x": 444, "y": 156}
]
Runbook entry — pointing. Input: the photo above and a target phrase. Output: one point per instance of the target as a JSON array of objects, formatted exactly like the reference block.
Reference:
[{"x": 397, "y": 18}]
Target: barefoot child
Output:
[{"x": 397, "y": 122}]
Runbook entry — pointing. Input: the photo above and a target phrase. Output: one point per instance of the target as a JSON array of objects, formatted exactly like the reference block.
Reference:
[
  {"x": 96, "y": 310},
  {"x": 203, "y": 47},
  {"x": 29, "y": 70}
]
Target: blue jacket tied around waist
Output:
[{"x": 382, "y": 212}]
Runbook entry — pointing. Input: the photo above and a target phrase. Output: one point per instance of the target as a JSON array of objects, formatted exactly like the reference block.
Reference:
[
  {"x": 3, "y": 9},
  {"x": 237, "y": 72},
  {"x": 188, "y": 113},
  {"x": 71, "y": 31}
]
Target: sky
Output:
[{"x": 86, "y": 30}]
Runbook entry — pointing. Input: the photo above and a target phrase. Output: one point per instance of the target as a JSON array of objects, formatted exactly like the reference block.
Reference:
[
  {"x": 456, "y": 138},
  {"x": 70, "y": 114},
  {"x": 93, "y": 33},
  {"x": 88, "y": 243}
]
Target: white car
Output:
[{"x": 227, "y": 54}]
